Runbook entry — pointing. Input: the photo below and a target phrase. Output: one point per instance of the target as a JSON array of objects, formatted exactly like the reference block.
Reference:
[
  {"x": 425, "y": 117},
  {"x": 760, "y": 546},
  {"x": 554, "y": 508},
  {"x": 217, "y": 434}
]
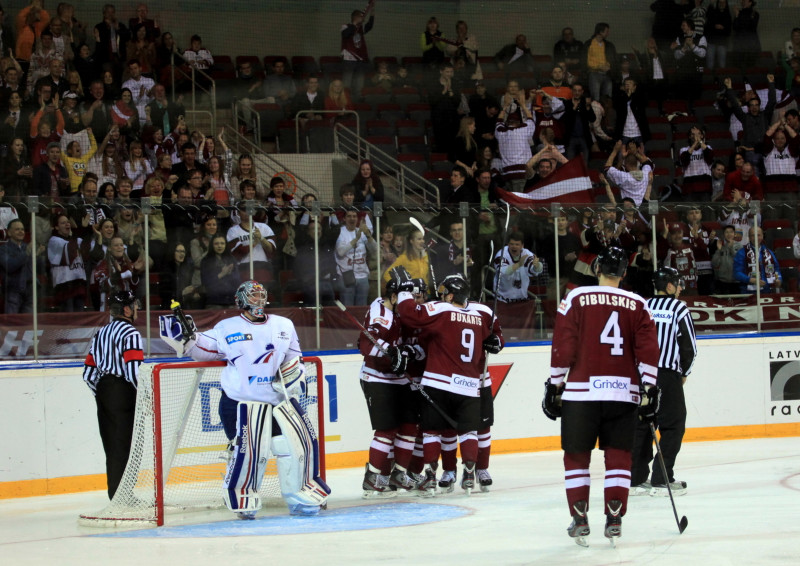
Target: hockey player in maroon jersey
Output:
[
  {"x": 390, "y": 399},
  {"x": 455, "y": 336},
  {"x": 603, "y": 364}
]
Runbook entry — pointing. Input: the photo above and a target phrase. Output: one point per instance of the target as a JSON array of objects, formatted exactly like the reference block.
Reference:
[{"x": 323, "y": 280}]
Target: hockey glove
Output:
[
  {"x": 649, "y": 404},
  {"x": 551, "y": 404},
  {"x": 398, "y": 358},
  {"x": 492, "y": 344}
]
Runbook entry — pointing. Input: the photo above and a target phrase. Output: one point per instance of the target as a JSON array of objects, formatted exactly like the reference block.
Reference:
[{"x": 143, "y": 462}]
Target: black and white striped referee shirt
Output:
[
  {"x": 676, "y": 337},
  {"x": 116, "y": 349}
]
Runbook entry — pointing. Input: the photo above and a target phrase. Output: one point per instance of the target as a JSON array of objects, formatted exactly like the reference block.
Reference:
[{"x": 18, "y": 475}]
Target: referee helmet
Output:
[
  {"x": 665, "y": 276},
  {"x": 118, "y": 300}
]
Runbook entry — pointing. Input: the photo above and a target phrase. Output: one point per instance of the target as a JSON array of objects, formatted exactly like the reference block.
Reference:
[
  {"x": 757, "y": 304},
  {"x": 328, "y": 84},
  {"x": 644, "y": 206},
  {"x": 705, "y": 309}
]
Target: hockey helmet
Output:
[
  {"x": 666, "y": 275},
  {"x": 612, "y": 261},
  {"x": 251, "y": 296},
  {"x": 420, "y": 287},
  {"x": 397, "y": 276},
  {"x": 457, "y": 285}
]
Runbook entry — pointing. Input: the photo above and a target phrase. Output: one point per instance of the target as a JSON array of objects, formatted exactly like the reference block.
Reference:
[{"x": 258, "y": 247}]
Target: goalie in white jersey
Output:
[{"x": 260, "y": 386}]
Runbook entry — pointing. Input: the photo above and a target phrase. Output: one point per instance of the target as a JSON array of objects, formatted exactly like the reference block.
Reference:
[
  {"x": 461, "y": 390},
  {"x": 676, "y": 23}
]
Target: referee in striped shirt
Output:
[
  {"x": 111, "y": 371},
  {"x": 676, "y": 340}
]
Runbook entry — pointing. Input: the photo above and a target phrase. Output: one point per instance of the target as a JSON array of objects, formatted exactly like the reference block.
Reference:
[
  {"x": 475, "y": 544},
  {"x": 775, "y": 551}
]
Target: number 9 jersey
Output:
[{"x": 606, "y": 340}]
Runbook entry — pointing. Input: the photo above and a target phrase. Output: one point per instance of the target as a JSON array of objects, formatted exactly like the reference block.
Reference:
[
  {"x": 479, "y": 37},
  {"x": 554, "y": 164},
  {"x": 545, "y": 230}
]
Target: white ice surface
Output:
[{"x": 743, "y": 506}]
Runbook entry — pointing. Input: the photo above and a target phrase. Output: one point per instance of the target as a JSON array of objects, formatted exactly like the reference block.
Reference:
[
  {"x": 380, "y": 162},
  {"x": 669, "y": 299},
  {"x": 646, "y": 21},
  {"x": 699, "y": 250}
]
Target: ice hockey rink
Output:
[{"x": 742, "y": 506}]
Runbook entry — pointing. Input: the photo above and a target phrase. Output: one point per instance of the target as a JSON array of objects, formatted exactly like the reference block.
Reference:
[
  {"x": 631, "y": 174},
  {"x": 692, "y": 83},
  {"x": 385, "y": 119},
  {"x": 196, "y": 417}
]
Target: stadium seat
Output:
[
  {"x": 380, "y": 128},
  {"x": 304, "y": 65},
  {"x": 409, "y": 128}
]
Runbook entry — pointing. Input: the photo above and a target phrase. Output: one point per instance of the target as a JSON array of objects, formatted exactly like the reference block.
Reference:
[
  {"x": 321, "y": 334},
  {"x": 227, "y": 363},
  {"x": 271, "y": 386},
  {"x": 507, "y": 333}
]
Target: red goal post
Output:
[{"x": 178, "y": 450}]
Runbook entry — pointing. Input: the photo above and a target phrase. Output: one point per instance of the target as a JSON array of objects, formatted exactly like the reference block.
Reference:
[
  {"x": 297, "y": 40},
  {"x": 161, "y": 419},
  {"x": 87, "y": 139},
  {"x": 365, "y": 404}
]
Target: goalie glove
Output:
[
  {"x": 649, "y": 404},
  {"x": 173, "y": 333},
  {"x": 551, "y": 403},
  {"x": 398, "y": 358},
  {"x": 292, "y": 375},
  {"x": 492, "y": 344}
]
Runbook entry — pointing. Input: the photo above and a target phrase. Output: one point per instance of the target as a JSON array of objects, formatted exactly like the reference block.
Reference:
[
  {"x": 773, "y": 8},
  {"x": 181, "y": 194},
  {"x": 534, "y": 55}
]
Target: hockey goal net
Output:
[{"x": 178, "y": 452}]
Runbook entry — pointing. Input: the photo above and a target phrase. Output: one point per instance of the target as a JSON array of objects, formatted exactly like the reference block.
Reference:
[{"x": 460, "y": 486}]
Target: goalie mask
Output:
[{"x": 251, "y": 296}]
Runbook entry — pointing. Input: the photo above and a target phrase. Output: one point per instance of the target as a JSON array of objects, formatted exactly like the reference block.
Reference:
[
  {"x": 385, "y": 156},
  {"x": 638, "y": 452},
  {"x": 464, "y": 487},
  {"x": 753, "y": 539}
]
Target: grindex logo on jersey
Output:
[{"x": 238, "y": 337}]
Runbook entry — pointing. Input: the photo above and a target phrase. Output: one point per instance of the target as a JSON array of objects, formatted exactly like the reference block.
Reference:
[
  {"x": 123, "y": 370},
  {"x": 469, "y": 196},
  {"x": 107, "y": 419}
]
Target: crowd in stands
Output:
[{"x": 86, "y": 124}]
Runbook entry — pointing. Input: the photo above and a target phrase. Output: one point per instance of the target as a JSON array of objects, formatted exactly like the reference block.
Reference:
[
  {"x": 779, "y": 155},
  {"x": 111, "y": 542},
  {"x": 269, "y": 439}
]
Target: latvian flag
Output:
[{"x": 567, "y": 184}]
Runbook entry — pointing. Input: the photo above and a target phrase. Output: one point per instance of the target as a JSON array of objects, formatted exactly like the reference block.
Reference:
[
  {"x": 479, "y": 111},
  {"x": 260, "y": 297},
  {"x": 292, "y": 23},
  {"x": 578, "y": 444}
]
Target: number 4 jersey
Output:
[{"x": 605, "y": 345}]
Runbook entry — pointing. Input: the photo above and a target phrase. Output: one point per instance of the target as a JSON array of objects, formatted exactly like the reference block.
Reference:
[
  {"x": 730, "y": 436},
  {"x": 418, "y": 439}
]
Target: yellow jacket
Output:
[{"x": 418, "y": 268}]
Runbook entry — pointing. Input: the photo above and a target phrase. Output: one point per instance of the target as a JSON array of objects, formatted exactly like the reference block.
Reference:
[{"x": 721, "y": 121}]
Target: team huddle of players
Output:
[{"x": 427, "y": 387}]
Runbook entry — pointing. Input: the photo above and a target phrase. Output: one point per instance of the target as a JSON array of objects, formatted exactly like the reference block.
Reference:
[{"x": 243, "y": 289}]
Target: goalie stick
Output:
[
  {"x": 683, "y": 522},
  {"x": 375, "y": 343}
]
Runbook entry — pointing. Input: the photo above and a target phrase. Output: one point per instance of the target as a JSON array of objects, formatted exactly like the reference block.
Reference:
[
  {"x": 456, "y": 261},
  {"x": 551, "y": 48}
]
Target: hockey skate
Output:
[
  {"x": 468, "y": 477},
  {"x": 579, "y": 528},
  {"x": 485, "y": 480},
  {"x": 613, "y": 521},
  {"x": 246, "y": 515},
  {"x": 376, "y": 485},
  {"x": 660, "y": 490},
  {"x": 401, "y": 480},
  {"x": 643, "y": 488},
  {"x": 425, "y": 483},
  {"x": 447, "y": 483}
]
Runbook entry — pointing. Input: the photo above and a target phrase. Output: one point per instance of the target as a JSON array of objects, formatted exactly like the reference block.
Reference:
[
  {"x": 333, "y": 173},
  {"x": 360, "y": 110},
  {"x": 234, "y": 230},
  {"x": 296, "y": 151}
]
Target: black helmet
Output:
[
  {"x": 122, "y": 299},
  {"x": 612, "y": 261},
  {"x": 666, "y": 275},
  {"x": 420, "y": 287},
  {"x": 397, "y": 275},
  {"x": 457, "y": 285}
]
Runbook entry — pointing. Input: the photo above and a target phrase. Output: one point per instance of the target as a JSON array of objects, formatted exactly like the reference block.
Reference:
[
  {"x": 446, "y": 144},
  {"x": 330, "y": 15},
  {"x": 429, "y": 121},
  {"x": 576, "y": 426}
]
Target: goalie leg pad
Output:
[
  {"x": 250, "y": 455},
  {"x": 297, "y": 452}
]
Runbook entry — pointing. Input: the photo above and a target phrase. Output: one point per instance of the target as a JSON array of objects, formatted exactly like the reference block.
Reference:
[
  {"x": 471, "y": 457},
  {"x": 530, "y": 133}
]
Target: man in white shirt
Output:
[
  {"x": 351, "y": 259},
  {"x": 141, "y": 88},
  {"x": 636, "y": 181},
  {"x": 241, "y": 247}
]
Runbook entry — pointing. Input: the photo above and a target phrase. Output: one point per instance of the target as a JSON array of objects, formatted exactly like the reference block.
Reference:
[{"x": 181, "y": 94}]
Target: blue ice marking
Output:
[{"x": 362, "y": 517}]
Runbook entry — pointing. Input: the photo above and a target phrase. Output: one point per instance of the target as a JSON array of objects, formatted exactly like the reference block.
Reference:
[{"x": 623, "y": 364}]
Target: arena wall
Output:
[
  {"x": 305, "y": 27},
  {"x": 51, "y": 445}
]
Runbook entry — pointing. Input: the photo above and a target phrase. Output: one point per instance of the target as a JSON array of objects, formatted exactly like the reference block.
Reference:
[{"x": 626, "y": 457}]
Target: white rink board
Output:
[{"x": 51, "y": 408}]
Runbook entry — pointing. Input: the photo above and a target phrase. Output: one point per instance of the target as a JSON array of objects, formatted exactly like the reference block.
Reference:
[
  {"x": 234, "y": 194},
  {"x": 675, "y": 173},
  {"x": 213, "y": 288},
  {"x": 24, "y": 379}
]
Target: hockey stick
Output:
[
  {"x": 414, "y": 222},
  {"x": 497, "y": 271},
  {"x": 375, "y": 343},
  {"x": 494, "y": 314},
  {"x": 683, "y": 522}
]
